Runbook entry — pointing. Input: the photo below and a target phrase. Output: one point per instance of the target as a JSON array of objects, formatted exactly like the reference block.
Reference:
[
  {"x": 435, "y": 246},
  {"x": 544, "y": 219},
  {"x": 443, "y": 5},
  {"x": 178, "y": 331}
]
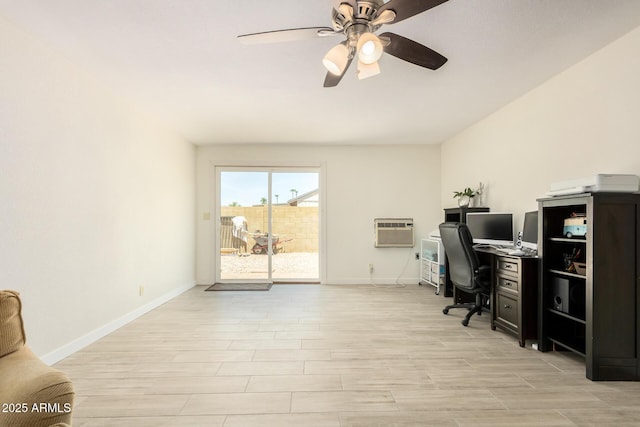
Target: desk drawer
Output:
[
  {"x": 507, "y": 283},
  {"x": 507, "y": 310},
  {"x": 507, "y": 265}
]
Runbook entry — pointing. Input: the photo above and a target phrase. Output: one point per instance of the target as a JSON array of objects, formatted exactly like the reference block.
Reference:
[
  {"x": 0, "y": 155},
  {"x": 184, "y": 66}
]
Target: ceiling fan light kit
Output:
[
  {"x": 357, "y": 21},
  {"x": 369, "y": 48},
  {"x": 367, "y": 70},
  {"x": 336, "y": 60}
]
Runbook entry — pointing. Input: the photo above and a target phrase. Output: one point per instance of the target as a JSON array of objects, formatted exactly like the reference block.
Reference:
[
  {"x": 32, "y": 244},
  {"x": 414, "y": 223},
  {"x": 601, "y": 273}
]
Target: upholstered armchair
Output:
[{"x": 32, "y": 394}]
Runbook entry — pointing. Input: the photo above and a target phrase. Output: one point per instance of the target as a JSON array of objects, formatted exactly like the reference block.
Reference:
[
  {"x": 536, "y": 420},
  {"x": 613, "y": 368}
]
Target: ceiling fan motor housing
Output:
[{"x": 364, "y": 12}]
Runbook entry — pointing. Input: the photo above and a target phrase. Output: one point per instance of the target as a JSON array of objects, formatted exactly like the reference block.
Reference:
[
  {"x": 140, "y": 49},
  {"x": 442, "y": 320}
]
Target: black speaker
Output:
[
  {"x": 577, "y": 299},
  {"x": 560, "y": 294}
]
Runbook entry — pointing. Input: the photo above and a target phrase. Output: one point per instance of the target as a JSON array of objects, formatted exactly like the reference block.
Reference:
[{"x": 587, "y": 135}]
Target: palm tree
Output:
[
  {"x": 263, "y": 201},
  {"x": 294, "y": 193},
  {"x": 276, "y": 196}
]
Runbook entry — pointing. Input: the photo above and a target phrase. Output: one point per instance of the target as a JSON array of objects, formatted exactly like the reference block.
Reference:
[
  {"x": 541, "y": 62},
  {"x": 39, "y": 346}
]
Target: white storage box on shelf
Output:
[{"x": 596, "y": 183}]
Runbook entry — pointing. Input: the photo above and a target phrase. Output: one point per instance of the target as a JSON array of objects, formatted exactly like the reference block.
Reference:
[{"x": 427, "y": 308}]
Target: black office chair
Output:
[{"x": 464, "y": 270}]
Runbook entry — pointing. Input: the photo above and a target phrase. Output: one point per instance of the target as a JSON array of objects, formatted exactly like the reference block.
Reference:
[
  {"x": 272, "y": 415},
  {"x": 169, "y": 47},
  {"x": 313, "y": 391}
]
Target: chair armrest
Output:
[{"x": 26, "y": 379}]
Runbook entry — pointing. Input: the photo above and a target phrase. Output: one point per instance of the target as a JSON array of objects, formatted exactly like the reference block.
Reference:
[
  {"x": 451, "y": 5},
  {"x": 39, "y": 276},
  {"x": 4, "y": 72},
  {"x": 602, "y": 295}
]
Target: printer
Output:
[{"x": 596, "y": 183}]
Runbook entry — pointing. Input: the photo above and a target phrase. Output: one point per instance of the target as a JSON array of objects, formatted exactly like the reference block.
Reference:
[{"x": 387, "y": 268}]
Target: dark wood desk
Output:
[{"x": 514, "y": 292}]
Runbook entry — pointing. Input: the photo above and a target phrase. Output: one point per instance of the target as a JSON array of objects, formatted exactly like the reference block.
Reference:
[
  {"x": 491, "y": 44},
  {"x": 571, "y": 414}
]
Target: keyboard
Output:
[
  {"x": 510, "y": 250},
  {"x": 516, "y": 252}
]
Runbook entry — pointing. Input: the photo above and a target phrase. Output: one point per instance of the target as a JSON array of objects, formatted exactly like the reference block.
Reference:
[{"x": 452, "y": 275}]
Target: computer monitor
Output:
[
  {"x": 530, "y": 230},
  {"x": 491, "y": 228}
]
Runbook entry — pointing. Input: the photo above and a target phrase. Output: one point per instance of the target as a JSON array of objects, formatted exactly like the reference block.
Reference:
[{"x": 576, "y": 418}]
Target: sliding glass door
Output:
[
  {"x": 295, "y": 223},
  {"x": 268, "y": 225},
  {"x": 243, "y": 219}
]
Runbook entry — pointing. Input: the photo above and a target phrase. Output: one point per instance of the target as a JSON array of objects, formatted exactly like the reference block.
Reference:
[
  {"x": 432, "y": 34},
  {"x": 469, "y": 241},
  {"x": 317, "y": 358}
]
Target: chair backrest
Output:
[{"x": 463, "y": 260}]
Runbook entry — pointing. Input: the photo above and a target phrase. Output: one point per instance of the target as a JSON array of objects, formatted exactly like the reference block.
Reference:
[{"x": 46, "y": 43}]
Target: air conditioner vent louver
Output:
[
  {"x": 392, "y": 225},
  {"x": 393, "y": 232}
]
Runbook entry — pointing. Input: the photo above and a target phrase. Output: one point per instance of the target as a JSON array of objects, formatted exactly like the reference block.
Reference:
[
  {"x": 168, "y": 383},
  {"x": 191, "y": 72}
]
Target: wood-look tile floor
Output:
[{"x": 318, "y": 355}]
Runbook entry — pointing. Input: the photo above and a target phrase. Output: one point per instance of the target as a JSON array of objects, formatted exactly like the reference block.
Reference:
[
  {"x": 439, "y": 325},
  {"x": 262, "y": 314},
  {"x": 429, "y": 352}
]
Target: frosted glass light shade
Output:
[
  {"x": 335, "y": 61},
  {"x": 369, "y": 48},
  {"x": 367, "y": 70}
]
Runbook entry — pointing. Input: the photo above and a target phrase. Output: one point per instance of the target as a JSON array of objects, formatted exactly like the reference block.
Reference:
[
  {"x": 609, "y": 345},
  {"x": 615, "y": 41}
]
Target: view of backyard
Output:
[
  {"x": 244, "y": 224},
  {"x": 301, "y": 265}
]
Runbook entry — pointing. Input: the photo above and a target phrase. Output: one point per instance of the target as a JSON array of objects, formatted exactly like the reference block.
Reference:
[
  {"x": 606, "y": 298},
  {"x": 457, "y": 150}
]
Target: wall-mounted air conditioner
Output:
[{"x": 393, "y": 232}]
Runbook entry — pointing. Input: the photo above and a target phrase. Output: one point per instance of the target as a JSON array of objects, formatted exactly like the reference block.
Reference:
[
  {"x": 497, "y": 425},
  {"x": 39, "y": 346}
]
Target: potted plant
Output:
[{"x": 464, "y": 196}]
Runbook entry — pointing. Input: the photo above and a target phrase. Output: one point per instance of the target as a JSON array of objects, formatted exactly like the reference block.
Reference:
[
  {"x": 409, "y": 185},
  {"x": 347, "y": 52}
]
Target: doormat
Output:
[{"x": 239, "y": 287}]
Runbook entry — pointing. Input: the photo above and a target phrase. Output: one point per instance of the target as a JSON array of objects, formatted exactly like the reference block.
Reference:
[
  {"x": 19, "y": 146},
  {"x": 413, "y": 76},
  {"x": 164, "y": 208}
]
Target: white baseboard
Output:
[
  {"x": 93, "y": 336},
  {"x": 376, "y": 280}
]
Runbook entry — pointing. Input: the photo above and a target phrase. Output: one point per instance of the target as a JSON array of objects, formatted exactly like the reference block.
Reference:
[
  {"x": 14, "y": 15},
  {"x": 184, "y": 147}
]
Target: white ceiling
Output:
[{"x": 180, "y": 60}]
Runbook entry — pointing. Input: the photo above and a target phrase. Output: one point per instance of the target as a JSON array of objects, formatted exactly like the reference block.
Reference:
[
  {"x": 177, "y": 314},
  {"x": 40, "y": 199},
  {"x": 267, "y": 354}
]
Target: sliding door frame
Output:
[{"x": 270, "y": 168}]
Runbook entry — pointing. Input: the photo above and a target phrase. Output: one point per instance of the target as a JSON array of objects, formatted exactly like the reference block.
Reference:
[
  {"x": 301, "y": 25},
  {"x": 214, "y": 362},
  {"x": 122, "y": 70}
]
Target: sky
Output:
[{"x": 248, "y": 188}]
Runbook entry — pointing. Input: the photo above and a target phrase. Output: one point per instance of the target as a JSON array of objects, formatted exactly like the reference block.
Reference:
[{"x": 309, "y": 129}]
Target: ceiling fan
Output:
[{"x": 358, "y": 20}]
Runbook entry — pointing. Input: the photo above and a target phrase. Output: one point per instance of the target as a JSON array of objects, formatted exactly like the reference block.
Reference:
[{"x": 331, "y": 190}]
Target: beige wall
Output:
[
  {"x": 358, "y": 183},
  {"x": 296, "y": 226},
  {"x": 583, "y": 121},
  {"x": 96, "y": 200}
]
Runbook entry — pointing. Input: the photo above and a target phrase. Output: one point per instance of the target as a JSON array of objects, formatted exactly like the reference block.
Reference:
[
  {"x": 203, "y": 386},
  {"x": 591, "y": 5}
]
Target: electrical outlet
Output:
[
  {"x": 370, "y": 268},
  {"x": 141, "y": 290}
]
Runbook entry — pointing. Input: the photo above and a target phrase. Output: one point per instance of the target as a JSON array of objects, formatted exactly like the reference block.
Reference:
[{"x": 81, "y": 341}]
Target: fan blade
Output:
[
  {"x": 331, "y": 79},
  {"x": 413, "y": 52},
  {"x": 293, "y": 34},
  {"x": 407, "y": 8}
]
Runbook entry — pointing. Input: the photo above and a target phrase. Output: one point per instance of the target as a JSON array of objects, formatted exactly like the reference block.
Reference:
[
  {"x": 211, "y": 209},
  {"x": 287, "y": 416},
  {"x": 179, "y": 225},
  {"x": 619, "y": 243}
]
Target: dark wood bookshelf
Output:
[{"x": 593, "y": 314}]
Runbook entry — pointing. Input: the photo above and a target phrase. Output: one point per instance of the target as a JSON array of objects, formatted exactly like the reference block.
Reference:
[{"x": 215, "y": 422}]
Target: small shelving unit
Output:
[
  {"x": 432, "y": 263},
  {"x": 460, "y": 214},
  {"x": 592, "y": 312}
]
